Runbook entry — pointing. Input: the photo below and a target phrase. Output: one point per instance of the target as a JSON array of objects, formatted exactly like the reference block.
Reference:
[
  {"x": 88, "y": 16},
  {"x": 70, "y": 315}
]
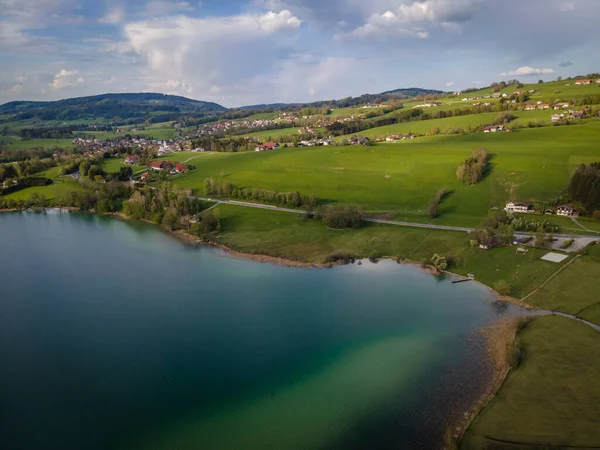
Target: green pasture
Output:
[
  {"x": 528, "y": 165},
  {"x": 50, "y": 192},
  {"x": 114, "y": 165},
  {"x": 552, "y": 399},
  {"x": 575, "y": 289},
  {"x": 21, "y": 144},
  {"x": 193, "y": 157},
  {"x": 555, "y": 90}
]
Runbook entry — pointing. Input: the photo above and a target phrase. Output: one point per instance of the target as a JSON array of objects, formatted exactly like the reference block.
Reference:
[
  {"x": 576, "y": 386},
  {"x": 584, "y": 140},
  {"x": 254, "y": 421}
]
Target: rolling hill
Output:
[{"x": 109, "y": 107}]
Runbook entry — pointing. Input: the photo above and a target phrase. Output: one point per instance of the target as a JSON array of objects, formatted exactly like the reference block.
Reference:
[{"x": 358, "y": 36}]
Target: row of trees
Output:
[
  {"x": 434, "y": 206},
  {"x": 290, "y": 199},
  {"x": 474, "y": 168}
]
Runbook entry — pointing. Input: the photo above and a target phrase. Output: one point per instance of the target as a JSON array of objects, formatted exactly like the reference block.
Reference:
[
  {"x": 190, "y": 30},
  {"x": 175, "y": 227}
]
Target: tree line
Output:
[
  {"x": 584, "y": 186},
  {"x": 283, "y": 199}
]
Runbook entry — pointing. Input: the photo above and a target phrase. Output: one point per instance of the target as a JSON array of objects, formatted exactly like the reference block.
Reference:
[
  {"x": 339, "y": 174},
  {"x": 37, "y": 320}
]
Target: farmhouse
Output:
[
  {"x": 145, "y": 176},
  {"x": 561, "y": 105},
  {"x": 131, "y": 159},
  {"x": 180, "y": 168},
  {"x": 556, "y": 117},
  {"x": 393, "y": 138},
  {"x": 161, "y": 165},
  {"x": 530, "y": 107},
  {"x": 583, "y": 82},
  {"x": 360, "y": 140},
  {"x": 567, "y": 210},
  {"x": 267, "y": 146},
  {"x": 493, "y": 128},
  {"x": 519, "y": 207}
]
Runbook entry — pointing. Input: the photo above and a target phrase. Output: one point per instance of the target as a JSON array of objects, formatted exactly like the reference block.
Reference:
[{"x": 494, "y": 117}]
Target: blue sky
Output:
[{"x": 261, "y": 51}]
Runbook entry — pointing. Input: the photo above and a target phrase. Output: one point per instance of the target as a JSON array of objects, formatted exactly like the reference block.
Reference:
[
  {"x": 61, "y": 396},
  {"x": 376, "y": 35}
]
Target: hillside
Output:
[{"x": 109, "y": 107}]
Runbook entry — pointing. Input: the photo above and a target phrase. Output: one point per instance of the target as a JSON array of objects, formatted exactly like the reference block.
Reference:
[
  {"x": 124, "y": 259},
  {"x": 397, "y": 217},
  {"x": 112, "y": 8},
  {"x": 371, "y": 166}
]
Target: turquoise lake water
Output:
[{"x": 114, "y": 335}]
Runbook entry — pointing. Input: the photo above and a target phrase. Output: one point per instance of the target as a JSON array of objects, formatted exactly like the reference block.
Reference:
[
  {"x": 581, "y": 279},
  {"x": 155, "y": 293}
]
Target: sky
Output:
[{"x": 245, "y": 52}]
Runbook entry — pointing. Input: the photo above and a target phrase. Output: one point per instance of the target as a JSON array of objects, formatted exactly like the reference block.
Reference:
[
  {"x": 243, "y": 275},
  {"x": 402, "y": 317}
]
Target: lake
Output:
[{"x": 114, "y": 335}]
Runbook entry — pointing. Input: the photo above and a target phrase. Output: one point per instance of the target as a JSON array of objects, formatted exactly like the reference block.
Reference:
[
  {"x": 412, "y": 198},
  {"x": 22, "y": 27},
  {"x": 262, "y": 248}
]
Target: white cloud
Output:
[
  {"x": 527, "y": 71},
  {"x": 113, "y": 16},
  {"x": 66, "y": 78},
  {"x": 566, "y": 7},
  {"x": 15, "y": 90},
  {"x": 283, "y": 20},
  {"x": 409, "y": 19},
  {"x": 202, "y": 55},
  {"x": 450, "y": 83}
]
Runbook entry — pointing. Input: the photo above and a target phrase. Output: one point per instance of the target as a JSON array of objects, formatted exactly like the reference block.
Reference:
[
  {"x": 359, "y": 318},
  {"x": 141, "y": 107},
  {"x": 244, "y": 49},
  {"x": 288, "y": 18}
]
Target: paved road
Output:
[
  {"x": 584, "y": 227},
  {"x": 382, "y": 221}
]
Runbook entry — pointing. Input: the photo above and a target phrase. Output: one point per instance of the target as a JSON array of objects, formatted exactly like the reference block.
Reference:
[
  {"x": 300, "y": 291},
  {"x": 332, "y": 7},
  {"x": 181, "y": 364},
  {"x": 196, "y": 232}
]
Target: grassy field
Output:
[
  {"x": 289, "y": 236},
  {"x": 113, "y": 165},
  {"x": 49, "y": 192},
  {"x": 194, "y": 157},
  {"x": 560, "y": 90},
  {"x": 20, "y": 144},
  {"x": 552, "y": 399},
  {"x": 575, "y": 289},
  {"x": 529, "y": 165}
]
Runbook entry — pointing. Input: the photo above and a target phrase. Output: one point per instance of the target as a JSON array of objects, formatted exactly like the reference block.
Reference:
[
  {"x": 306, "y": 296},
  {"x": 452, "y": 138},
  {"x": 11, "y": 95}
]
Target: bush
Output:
[
  {"x": 439, "y": 262},
  {"x": 473, "y": 169},
  {"x": 344, "y": 257},
  {"x": 342, "y": 216}
]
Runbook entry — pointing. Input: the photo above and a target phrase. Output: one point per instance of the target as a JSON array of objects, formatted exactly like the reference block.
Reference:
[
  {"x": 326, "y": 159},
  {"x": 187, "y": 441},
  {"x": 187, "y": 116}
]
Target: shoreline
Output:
[{"x": 499, "y": 373}]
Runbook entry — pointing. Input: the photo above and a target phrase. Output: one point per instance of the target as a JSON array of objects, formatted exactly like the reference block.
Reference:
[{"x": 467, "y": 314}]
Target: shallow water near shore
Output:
[{"x": 115, "y": 335}]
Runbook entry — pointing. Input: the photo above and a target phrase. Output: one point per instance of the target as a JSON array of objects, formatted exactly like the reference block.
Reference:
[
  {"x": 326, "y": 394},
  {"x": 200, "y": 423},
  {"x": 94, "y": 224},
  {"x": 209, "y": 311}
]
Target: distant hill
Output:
[
  {"x": 272, "y": 106},
  {"x": 111, "y": 107},
  {"x": 411, "y": 92},
  {"x": 348, "y": 101},
  {"x": 121, "y": 109}
]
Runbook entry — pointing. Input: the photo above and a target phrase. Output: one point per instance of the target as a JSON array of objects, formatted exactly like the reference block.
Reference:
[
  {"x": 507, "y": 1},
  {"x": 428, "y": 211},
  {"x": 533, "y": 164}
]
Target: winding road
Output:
[{"x": 429, "y": 226}]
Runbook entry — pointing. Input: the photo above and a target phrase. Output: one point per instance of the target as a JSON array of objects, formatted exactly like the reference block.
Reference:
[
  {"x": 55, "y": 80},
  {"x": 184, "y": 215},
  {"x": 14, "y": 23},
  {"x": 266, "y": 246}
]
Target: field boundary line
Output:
[{"x": 550, "y": 278}]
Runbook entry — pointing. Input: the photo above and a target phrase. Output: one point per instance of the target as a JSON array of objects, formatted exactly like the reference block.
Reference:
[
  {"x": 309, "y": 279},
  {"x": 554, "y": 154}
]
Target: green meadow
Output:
[
  {"x": 20, "y": 144},
  {"x": 575, "y": 289},
  {"x": 528, "y": 165},
  {"x": 50, "y": 192},
  {"x": 114, "y": 165},
  {"x": 552, "y": 399}
]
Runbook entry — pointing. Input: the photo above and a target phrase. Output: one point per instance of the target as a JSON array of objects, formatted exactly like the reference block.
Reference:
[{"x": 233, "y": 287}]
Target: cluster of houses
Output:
[
  {"x": 398, "y": 137},
  {"x": 168, "y": 166},
  {"x": 568, "y": 210},
  {"x": 498, "y": 95},
  {"x": 494, "y": 128},
  {"x": 428, "y": 105},
  {"x": 93, "y": 145},
  {"x": 568, "y": 115},
  {"x": 267, "y": 146},
  {"x": 360, "y": 140},
  {"x": 315, "y": 143},
  {"x": 586, "y": 82}
]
